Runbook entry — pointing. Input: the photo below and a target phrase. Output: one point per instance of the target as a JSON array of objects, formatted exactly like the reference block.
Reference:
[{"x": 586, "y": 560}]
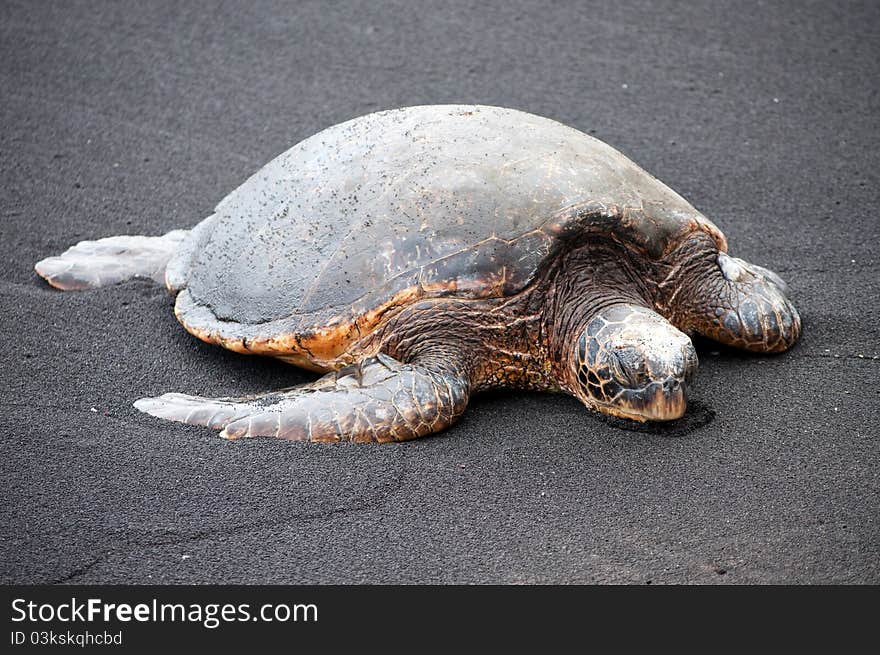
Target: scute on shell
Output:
[{"x": 397, "y": 206}]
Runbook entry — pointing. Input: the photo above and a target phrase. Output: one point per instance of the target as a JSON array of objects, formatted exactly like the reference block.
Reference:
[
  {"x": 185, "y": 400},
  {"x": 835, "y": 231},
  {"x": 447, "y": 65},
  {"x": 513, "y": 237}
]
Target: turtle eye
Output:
[{"x": 628, "y": 366}]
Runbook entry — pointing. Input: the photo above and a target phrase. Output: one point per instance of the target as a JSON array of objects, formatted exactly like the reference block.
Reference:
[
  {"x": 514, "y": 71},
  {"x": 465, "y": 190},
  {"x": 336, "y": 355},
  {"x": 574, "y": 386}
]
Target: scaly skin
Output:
[
  {"x": 378, "y": 400},
  {"x": 729, "y": 300}
]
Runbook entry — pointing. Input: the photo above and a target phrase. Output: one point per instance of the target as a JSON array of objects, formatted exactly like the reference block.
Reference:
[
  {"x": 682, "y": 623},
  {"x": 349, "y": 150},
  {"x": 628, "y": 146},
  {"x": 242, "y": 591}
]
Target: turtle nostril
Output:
[{"x": 671, "y": 385}]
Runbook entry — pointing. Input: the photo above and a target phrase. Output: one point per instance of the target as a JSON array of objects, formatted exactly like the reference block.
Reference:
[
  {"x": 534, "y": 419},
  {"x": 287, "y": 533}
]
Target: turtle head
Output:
[{"x": 631, "y": 362}]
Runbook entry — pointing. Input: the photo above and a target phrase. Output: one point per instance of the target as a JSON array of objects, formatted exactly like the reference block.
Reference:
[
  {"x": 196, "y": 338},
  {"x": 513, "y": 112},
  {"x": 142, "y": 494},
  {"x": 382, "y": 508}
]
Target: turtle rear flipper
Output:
[{"x": 93, "y": 264}]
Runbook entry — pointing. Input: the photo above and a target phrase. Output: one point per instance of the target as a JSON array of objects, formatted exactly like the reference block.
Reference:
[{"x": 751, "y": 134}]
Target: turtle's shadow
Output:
[
  {"x": 698, "y": 415},
  {"x": 706, "y": 348}
]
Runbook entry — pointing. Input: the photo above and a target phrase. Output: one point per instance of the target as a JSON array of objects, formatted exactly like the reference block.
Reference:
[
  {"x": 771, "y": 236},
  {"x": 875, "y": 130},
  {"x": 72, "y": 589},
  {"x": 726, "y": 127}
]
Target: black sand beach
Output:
[{"x": 139, "y": 117}]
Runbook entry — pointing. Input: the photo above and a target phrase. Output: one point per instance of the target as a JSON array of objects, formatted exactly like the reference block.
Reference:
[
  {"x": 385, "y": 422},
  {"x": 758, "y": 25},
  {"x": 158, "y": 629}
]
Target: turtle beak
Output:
[{"x": 659, "y": 401}]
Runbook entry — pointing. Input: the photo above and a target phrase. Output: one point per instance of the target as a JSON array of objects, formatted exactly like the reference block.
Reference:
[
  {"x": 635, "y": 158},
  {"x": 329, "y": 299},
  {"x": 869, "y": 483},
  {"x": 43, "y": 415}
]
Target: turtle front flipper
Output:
[
  {"x": 737, "y": 303},
  {"x": 92, "y": 264},
  {"x": 378, "y": 399}
]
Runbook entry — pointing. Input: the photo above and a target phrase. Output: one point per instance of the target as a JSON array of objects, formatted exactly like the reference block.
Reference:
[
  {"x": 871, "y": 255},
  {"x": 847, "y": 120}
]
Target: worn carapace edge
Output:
[
  {"x": 318, "y": 342},
  {"x": 423, "y": 254}
]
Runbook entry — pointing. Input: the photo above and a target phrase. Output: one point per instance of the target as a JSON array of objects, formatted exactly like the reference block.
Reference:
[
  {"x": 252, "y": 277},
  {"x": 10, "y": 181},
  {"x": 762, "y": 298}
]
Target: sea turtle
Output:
[{"x": 419, "y": 255}]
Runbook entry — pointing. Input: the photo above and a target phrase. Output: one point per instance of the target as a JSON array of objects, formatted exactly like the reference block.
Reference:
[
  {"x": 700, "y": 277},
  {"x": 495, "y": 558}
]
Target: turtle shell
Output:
[{"x": 393, "y": 207}]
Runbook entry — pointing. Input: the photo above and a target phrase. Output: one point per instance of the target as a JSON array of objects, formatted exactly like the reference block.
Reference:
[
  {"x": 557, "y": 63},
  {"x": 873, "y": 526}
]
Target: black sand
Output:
[{"x": 139, "y": 118}]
